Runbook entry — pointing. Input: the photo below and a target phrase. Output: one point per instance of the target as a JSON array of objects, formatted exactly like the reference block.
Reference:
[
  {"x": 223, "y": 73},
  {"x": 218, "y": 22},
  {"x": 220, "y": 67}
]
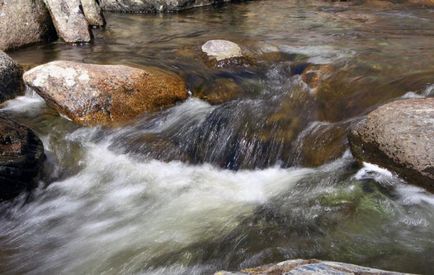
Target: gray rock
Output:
[
  {"x": 24, "y": 22},
  {"x": 91, "y": 94},
  {"x": 21, "y": 158},
  {"x": 299, "y": 267},
  {"x": 143, "y": 6},
  {"x": 399, "y": 136},
  {"x": 69, "y": 20},
  {"x": 221, "y": 49},
  {"x": 92, "y": 12},
  {"x": 11, "y": 83}
]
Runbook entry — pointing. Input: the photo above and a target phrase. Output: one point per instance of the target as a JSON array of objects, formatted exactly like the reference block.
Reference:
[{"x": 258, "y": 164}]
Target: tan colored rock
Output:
[
  {"x": 92, "y": 12},
  {"x": 399, "y": 136},
  {"x": 24, "y": 22},
  {"x": 69, "y": 20},
  {"x": 108, "y": 95}
]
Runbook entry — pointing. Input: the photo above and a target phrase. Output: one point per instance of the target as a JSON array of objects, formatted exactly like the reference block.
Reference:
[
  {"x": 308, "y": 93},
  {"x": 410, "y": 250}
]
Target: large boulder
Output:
[
  {"x": 92, "y": 94},
  {"x": 399, "y": 136},
  {"x": 69, "y": 20},
  {"x": 144, "y": 6},
  {"x": 299, "y": 267},
  {"x": 21, "y": 158},
  {"x": 24, "y": 22},
  {"x": 93, "y": 13},
  {"x": 11, "y": 83}
]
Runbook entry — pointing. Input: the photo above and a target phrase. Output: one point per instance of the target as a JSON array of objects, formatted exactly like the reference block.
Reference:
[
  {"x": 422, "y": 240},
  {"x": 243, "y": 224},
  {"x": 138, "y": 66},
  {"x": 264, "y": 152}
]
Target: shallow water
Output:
[{"x": 261, "y": 178}]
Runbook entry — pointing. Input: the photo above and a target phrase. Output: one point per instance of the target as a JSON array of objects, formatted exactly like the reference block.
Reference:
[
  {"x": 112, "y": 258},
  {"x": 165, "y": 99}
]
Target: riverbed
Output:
[{"x": 263, "y": 177}]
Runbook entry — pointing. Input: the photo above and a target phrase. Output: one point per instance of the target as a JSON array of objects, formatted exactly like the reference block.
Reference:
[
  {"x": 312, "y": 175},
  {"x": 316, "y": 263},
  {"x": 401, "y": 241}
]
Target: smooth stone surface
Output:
[
  {"x": 145, "y": 6},
  {"x": 93, "y": 13},
  {"x": 92, "y": 94},
  {"x": 24, "y": 22},
  {"x": 221, "y": 49},
  {"x": 11, "y": 83},
  {"x": 21, "y": 158},
  {"x": 69, "y": 20},
  {"x": 399, "y": 136},
  {"x": 304, "y": 267}
]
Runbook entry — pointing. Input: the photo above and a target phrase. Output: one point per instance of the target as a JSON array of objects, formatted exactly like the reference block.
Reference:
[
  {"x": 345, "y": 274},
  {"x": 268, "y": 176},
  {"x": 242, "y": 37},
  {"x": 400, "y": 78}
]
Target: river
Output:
[{"x": 265, "y": 177}]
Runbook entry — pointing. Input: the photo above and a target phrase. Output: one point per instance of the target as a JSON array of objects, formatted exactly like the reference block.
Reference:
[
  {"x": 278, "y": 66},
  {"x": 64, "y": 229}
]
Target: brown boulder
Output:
[
  {"x": 21, "y": 157},
  {"x": 399, "y": 136},
  {"x": 24, "y": 22},
  {"x": 92, "y": 94}
]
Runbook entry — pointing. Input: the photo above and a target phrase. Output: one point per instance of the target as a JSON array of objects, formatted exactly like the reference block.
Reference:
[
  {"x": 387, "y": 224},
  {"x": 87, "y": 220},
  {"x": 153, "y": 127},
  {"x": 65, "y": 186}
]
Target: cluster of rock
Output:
[
  {"x": 299, "y": 267},
  {"x": 146, "y": 6},
  {"x": 24, "y": 22}
]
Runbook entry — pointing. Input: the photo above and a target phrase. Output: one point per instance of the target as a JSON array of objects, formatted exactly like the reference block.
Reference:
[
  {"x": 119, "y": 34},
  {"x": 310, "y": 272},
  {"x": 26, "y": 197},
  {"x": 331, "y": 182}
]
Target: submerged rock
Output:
[
  {"x": 219, "y": 91},
  {"x": 21, "y": 158},
  {"x": 308, "y": 267},
  {"x": 92, "y": 94},
  {"x": 11, "y": 83},
  {"x": 69, "y": 20},
  {"x": 144, "y": 6},
  {"x": 399, "y": 136},
  {"x": 24, "y": 22},
  {"x": 92, "y": 12}
]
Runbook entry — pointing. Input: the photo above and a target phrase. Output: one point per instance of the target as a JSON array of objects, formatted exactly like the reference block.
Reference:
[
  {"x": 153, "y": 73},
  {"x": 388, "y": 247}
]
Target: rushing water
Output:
[{"x": 261, "y": 178}]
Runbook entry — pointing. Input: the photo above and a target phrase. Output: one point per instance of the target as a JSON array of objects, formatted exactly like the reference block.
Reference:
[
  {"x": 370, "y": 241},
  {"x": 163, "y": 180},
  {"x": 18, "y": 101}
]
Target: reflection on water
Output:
[{"x": 263, "y": 175}]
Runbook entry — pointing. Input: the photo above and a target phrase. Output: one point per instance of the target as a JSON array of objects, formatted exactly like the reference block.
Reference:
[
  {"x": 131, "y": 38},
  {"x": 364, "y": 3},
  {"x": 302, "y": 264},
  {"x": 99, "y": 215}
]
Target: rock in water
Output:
[
  {"x": 69, "y": 20},
  {"x": 221, "y": 49},
  {"x": 140, "y": 6},
  {"x": 299, "y": 267},
  {"x": 92, "y": 94},
  {"x": 23, "y": 22},
  {"x": 92, "y": 12},
  {"x": 399, "y": 136},
  {"x": 21, "y": 158},
  {"x": 11, "y": 83}
]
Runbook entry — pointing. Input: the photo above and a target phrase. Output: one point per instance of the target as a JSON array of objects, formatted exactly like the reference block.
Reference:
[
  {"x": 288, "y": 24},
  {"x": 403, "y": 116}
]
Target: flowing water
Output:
[{"x": 260, "y": 178}]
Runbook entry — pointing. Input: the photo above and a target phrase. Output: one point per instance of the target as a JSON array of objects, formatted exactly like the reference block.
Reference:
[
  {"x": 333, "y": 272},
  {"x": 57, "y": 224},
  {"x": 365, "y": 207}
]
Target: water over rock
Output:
[
  {"x": 308, "y": 267},
  {"x": 69, "y": 20},
  {"x": 11, "y": 83},
  {"x": 21, "y": 157},
  {"x": 92, "y": 94},
  {"x": 144, "y": 6},
  {"x": 24, "y": 22},
  {"x": 399, "y": 136}
]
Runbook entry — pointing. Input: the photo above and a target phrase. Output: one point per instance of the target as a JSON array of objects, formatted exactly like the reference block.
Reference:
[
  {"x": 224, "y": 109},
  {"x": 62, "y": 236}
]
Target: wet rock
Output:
[
  {"x": 313, "y": 74},
  {"x": 221, "y": 53},
  {"x": 92, "y": 12},
  {"x": 69, "y": 20},
  {"x": 24, "y": 22},
  {"x": 145, "y": 6},
  {"x": 11, "y": 83},
  {"x": 21, "y": 158},
  {"x": 221, "y": 49},
  {"x": 308, "y": 267},
  {"x": 319, "y": 143},
  {"x": 219, "y": 91},
  {"x": 92, "y": 94},
  {"x": 399, "y": 136}
]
